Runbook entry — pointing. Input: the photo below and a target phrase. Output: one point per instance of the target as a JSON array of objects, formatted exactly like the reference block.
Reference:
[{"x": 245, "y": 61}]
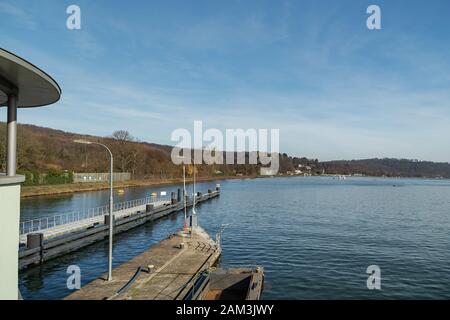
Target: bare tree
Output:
[
  {"x": 124, "y": 150},
  {"x": 122, "y": 136}
]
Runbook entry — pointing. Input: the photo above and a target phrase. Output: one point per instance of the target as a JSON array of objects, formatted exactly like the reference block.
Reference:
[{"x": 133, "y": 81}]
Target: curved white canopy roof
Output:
[{"x": 34, "y": 87}]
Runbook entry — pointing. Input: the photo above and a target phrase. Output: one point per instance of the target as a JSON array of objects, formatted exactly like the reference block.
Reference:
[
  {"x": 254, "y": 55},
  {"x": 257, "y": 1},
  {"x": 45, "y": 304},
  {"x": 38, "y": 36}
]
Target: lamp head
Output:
[{"x": 82, "y": 141}]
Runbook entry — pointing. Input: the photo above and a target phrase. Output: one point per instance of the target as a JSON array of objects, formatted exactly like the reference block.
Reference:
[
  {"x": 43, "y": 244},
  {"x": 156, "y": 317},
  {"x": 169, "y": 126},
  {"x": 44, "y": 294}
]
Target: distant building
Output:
[
  {"x": 100, "y": 177},
  {"x": 268, "y": 172}
]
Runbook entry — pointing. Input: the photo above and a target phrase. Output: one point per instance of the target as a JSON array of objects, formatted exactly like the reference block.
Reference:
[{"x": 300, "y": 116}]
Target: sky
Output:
[{"x": 334, "y": 88}]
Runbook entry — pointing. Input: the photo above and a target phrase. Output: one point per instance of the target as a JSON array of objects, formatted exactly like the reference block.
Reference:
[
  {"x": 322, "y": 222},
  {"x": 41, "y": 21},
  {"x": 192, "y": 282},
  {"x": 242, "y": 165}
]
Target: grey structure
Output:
[{"x": 22, "y": 85}]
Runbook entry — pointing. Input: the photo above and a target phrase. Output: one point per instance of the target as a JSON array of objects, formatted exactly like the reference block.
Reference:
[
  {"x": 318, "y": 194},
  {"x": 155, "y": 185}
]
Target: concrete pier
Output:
[
  {"x": 82, "y": 224},
  {"x": 166, "y": 271},
  {"x": 72, "y": 238}
]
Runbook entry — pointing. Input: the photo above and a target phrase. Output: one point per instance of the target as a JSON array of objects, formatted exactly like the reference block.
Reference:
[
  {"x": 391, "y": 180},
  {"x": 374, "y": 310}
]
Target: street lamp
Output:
[{"x": 111, "y": 209}]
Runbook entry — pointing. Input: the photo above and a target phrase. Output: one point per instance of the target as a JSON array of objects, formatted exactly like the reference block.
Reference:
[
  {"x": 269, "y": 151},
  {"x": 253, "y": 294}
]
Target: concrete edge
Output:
[{"x": 6, "y": 180}]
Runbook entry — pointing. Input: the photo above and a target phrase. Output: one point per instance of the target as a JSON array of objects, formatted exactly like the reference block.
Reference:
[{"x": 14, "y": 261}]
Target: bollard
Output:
[
  {"x": 149, "y": 207},
  {"x": 150, "y": 268}
]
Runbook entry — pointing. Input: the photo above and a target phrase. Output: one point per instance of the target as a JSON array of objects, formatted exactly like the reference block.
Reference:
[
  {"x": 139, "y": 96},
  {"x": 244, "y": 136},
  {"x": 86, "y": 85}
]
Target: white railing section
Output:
[{"x": 35, "y": 225}]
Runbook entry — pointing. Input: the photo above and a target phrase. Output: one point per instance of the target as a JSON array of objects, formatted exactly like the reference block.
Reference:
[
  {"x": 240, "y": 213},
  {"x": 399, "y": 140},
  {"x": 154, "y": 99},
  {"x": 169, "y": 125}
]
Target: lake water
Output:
[{"x": 315, "y": 236}]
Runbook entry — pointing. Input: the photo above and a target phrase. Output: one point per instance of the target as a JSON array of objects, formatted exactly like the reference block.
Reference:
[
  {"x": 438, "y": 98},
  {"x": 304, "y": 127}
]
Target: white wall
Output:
[{"x": 9, "y": 241}]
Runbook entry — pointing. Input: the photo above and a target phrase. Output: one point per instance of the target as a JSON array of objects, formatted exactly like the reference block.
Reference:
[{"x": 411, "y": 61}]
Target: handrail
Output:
[{"x": 48, "y": 222}]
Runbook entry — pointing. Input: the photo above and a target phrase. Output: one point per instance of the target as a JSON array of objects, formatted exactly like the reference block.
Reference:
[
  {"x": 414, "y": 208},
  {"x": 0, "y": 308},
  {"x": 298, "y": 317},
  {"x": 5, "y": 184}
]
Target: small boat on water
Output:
[{"x": 228, "y": 284}]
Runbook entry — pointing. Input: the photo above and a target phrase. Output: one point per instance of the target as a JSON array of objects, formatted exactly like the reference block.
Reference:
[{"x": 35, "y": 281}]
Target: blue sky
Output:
[{"x": 312, "y": 69}]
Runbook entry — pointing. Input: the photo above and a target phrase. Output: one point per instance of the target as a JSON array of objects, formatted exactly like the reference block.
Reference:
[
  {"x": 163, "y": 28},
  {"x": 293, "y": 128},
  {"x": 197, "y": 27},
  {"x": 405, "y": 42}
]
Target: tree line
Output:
[
  {"x": 49, "y": 156},
  {"x": 44, "y": 152},
  {"x": 390, "y": 168}
]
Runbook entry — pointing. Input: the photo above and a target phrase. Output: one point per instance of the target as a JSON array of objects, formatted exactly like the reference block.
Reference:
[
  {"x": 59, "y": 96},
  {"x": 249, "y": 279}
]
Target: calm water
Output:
[{"x": 314, "y": 236}]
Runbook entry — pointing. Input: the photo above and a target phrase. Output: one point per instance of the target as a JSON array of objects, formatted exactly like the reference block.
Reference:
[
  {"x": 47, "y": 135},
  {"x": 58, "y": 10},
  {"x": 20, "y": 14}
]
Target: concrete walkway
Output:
[{"x": 85, "y": 223}]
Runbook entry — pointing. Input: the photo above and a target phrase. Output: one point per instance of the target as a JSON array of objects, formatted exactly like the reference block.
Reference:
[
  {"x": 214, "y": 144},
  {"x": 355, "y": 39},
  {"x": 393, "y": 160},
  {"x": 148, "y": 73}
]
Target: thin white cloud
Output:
[
  {"x": 19, "y": 15},
  {"x": 322, "y": 85}
]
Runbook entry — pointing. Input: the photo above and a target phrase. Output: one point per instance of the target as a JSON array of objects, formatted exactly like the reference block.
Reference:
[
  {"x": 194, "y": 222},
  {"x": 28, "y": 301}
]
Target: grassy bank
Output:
[{"x": 46, "y": 190}]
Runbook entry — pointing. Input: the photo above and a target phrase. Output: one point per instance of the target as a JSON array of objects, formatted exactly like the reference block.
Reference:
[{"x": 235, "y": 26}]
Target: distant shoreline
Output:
[{"x": 62, "y": 189}]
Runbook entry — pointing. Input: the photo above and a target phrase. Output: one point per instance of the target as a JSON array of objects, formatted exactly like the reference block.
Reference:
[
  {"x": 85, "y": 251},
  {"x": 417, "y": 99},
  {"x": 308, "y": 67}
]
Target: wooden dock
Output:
[
  {"x": 166, "y": 271},
  {"x": 46, "y": 249}
]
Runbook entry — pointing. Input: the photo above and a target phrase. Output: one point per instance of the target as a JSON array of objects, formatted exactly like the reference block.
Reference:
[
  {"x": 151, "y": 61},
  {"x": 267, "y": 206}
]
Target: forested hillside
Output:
[
  {"x": 49, "y": 151},
  {"x": 390, "y": 168},
  {"x": 53, "y": 154}
]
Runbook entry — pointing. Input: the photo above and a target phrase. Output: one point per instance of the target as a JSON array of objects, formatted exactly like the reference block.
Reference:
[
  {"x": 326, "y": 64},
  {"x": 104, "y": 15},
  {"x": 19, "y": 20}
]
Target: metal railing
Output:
[{"x": 35, "y": 225}]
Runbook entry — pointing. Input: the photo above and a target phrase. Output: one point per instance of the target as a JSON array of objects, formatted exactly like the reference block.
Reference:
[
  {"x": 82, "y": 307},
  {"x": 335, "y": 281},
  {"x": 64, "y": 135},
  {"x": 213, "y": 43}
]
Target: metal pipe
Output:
[
  {"x": 194, "y": 213},
  {"x": 11, "y": 163}
]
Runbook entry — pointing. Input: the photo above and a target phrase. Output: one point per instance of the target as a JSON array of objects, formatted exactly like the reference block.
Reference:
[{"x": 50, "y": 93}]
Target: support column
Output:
[
  {"x": 10, "y": 210},
  {"x": 11, "y": 162}
]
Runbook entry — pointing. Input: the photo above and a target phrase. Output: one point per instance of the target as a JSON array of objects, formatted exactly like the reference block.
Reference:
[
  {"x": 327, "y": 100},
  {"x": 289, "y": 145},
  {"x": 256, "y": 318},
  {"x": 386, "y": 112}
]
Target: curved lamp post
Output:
[{"x": 111, "y": 209}]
